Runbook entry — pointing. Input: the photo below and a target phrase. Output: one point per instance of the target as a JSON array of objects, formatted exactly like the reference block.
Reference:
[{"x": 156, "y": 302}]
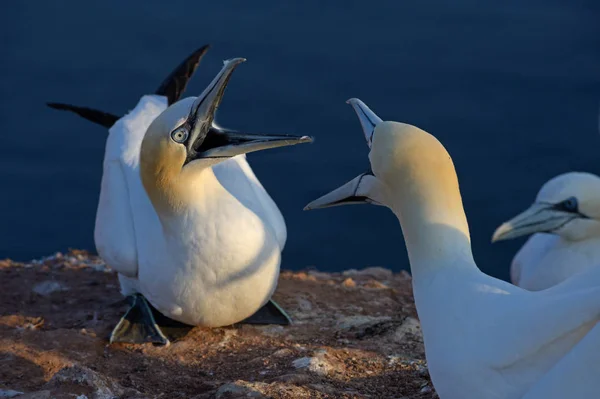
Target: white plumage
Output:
[
  {"x": 484, "y": 338},
  {"x": 181, "y": 215},
  {"x": 224, "y": 265},
  {"x": 565, "y": 221}
]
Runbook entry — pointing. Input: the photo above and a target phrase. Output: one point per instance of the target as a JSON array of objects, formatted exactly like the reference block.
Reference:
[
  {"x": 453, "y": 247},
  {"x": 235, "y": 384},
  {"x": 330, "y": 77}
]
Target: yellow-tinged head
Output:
[
  {"x": 183, "y": 142},
  {"x": 412, "y": 174},
  {"x": 401, "y": 157}
]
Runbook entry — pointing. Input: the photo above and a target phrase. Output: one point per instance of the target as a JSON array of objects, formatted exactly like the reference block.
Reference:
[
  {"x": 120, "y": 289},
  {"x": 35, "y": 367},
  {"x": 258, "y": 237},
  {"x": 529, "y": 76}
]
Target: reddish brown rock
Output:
[{"x": 344, "y": 343}]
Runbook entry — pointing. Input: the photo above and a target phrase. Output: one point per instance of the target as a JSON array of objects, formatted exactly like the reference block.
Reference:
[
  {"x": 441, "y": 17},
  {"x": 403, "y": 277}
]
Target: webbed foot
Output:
[
  {"x": 270, "y": 313},
  {"x": 138, "y": 325}
]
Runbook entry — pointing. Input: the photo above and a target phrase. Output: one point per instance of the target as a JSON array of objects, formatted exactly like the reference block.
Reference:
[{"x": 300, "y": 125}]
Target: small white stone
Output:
[
  {"x": 271, "y": 330},
  {"x": 317, "y": 364},
  {"x": 304, "y": 305},
  {"x": 9, "y": 393},
  {"x": 409, "y": 326},
  {"x": 48, "y": 287},
  {"x": 282, "y": 352},
  {"x": 380, "y": 273},
  {"x": 301, "y": 363},
  {"x": 360, "y": 320}
]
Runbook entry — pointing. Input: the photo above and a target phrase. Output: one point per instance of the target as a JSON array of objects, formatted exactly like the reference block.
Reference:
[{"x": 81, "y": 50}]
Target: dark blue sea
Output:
[{"x": 511, "y": 88}]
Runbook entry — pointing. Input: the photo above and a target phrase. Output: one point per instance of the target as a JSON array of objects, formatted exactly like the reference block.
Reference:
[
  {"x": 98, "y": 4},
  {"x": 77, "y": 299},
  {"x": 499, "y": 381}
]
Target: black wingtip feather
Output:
[
  {"x": 172, "y": 88},
  {"x": 174, "y": 85},
  {"x": 101, "y": 118}
]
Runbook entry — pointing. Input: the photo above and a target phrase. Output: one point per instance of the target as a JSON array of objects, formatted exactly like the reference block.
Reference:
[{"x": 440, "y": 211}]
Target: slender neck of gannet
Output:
[
  {"x": 428, "y": 205},
  {"x": 176, "y": 194}
]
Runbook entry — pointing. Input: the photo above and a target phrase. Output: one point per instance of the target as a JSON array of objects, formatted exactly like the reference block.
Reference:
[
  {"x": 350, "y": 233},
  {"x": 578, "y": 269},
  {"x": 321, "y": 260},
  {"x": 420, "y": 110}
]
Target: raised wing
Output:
[
  {"x": 172, "y": 88},
  {"x": 114, "y": 233},
  {"x": 125, "y": 214},
  {"x": 174, "y": 85},
  {"x": 101, "y": 118}
]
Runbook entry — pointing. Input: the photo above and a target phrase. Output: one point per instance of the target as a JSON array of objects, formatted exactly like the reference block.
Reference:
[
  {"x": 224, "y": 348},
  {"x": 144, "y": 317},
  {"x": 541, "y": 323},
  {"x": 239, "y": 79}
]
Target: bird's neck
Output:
[
  {"x": 429, "y": 207},
  {"x": 178, "y": 195}
]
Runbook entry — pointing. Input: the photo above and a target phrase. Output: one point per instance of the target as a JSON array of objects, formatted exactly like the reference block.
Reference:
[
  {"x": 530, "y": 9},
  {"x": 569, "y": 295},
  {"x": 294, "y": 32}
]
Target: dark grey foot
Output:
[
  {"x": 270, "y": 313},
  {"x": 138, "y": 325},
  {"x": 172, "y": 329}
]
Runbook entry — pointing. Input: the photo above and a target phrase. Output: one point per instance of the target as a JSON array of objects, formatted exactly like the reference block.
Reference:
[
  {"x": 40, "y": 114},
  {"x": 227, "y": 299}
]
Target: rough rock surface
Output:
[{"x": 355, "y": 335}]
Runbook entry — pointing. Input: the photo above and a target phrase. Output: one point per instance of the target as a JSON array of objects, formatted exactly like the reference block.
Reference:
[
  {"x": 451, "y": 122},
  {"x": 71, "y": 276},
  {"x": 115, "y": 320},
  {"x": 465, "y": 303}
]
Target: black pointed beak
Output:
[{"x": 207, "y": 140}]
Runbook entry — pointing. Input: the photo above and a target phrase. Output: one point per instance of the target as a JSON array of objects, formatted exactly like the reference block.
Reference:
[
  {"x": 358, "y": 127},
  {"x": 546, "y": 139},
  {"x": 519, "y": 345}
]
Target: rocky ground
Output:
[{"x": 355, "y": 335}]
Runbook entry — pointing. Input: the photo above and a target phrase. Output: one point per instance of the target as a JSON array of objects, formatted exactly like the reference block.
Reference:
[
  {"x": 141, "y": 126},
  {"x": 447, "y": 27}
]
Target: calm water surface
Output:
[{"x": 511, "y": 89}]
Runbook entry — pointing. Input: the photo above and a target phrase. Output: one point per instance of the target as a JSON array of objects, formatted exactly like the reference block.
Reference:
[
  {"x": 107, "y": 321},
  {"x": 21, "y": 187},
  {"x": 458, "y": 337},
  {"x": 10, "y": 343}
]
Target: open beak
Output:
[
  {"x": 539, "y": 218},
  {"x": 364, "y": 188},
  {"x": 207, "y": 140},
  {"x": 203, "y": 111},
  {"x": 368, "y": 119},
  {"x": 357, "y": 191},
  {"x": 234, "y": 143}
]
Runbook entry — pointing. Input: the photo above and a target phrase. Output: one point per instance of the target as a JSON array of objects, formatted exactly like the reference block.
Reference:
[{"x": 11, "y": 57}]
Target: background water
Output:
[{"x": 511, "y": 88}]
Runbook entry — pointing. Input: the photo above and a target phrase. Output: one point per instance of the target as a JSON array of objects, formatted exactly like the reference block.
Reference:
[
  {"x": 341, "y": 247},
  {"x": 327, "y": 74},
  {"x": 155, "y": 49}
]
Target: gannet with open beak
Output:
[
  {"x": 565, "y": 221},
  {"x": 484, "y": 337},
  {"x": 183, "y": 218}
]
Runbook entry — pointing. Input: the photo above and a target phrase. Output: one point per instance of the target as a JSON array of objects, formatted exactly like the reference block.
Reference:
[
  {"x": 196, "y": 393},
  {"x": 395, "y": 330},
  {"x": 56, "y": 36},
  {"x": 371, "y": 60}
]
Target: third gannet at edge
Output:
[
  {"x": 565, "y": 223},
  {"x": 484, "y": 338},
  {"x": 222, "y": 263}
]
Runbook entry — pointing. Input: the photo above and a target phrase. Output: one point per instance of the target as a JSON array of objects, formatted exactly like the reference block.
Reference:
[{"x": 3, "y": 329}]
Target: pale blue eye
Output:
[
  {"x": 180, "y": 135},
  {"x": 570, "y": 205}
]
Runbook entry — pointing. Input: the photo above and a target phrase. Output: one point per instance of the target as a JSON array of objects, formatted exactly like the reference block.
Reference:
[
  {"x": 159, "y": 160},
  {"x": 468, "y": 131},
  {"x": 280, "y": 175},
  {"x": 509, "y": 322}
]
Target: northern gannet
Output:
[
  {"x": 182, "y": 217},
  {"x": 484, "y": 338},
  {"x": 565, "y": 223}
]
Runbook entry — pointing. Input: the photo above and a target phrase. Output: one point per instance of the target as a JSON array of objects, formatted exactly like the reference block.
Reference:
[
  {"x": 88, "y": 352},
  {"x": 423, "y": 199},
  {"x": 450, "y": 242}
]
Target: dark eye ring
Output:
[
  {"x": 180, "y": 135},
  {"x": 570, "y": 204}
]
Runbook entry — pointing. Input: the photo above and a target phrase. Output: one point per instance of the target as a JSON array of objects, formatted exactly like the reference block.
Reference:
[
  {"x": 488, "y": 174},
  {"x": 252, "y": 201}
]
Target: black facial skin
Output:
[{"x": 570, "y": 205}]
